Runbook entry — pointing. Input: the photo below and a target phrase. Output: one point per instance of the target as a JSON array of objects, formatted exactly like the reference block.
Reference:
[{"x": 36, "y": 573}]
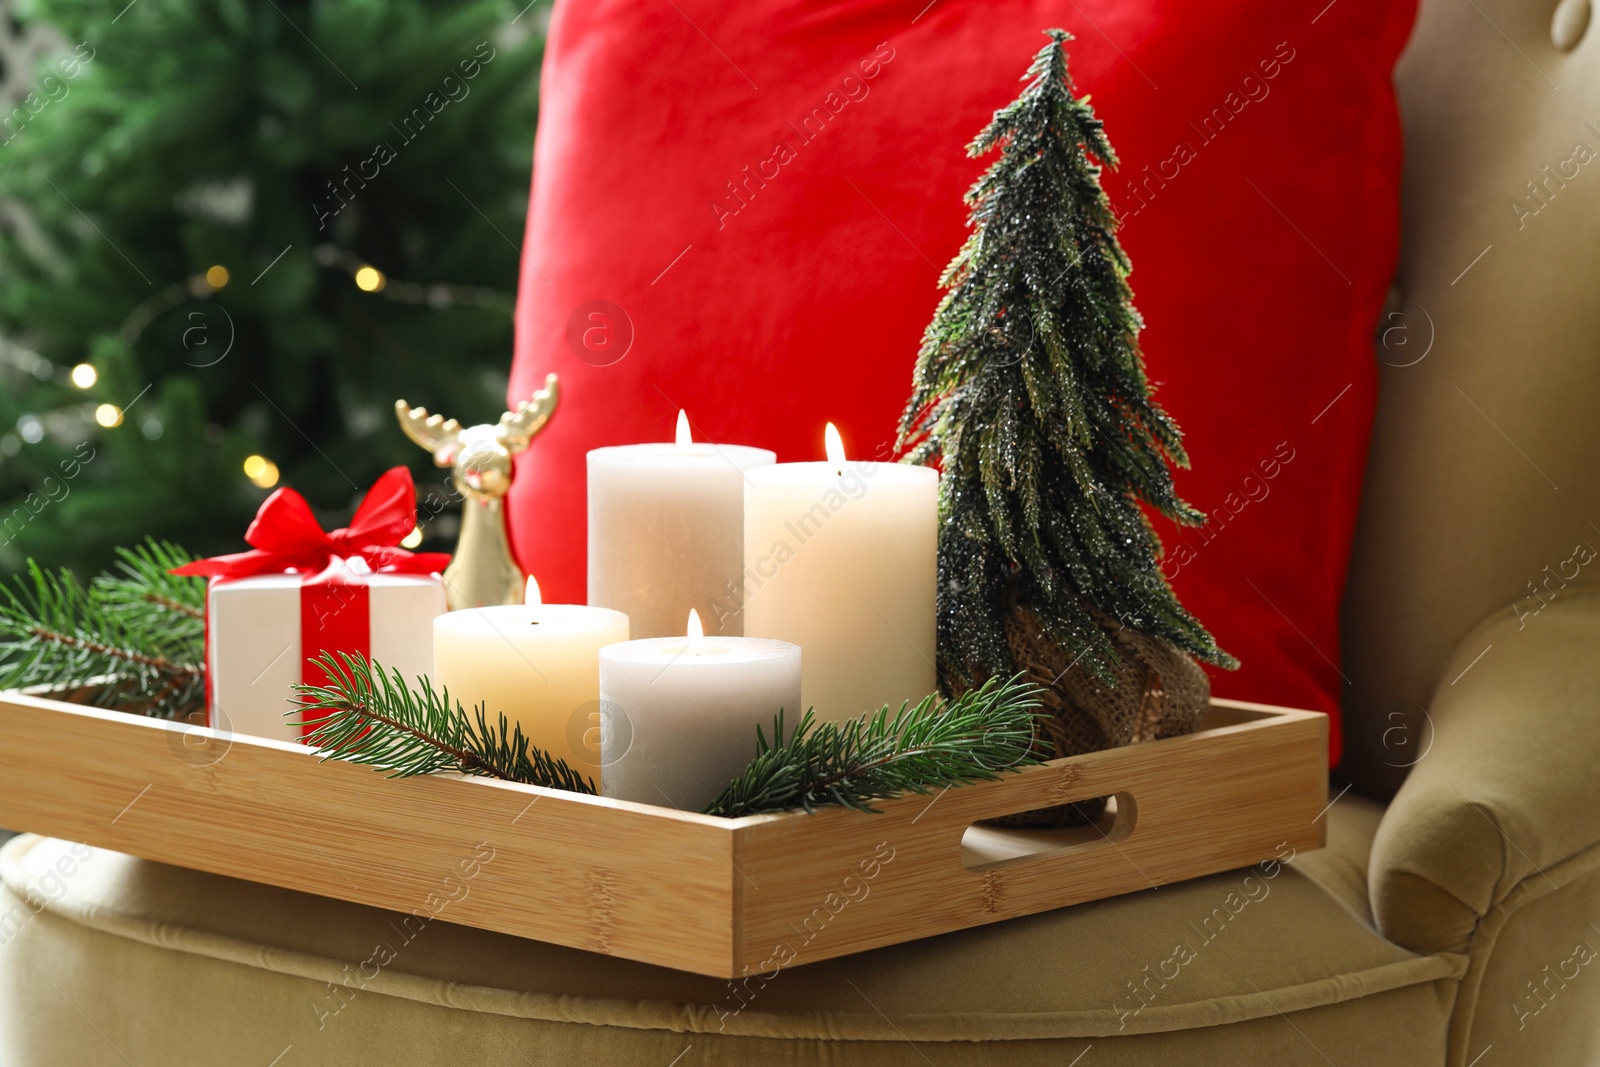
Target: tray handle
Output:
[{"x": 990, "y": 847}]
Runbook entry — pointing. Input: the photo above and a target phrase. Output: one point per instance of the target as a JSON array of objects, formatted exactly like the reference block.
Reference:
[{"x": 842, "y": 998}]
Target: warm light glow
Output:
[
  {"x": 84, "y": 375},
  {"x": 370, "y": 279},
  {"x": 697, "y": 634},
  {"x": 262, "y": 472},
  {"x": 531, "y": 594},
  {"x": 412, "y": 539},
  {"x": 683, "y": 437},
  {"x": 217, "y": 276},
  {"x": 834, "y": 446},
  {"x": 108, "y": 415}
]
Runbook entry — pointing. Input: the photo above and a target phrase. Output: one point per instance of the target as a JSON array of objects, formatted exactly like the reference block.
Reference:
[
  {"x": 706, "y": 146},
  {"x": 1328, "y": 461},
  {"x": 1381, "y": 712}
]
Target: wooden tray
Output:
[{"x": 721, "y": 897}]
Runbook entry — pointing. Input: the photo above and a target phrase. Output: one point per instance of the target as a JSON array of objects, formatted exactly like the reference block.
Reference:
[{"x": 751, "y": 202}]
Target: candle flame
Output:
[
  {"x": 532, "y": 595},
  {"x": 683, "y": 438},
  {"x": 697, "y": 633},
  {"x": 834, "y": 446}
]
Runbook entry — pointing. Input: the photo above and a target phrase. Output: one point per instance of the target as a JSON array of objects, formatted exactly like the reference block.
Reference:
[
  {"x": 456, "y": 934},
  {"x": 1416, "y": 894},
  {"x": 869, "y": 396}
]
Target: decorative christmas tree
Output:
[
  {"x": 230, "y": 230},
  {"x": 1031, "y": 392}
]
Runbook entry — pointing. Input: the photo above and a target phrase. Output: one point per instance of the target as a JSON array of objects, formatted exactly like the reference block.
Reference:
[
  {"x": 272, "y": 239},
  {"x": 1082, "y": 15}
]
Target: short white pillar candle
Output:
[
  {"x": 666, "y": 532},
  {"x": 679, "y": 714},
  {"x": 537, "y": 663},
  {"x": 841, "y": 559}
]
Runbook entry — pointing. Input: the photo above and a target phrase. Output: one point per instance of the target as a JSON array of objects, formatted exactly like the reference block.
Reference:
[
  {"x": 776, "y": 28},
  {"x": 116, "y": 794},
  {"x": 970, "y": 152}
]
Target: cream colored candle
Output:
[
  {"x": 840, "y": 558},
  {"x": 538, "y": 663},
  {"x": 666, "y": 532},
  {"x": 679, "y": 714}
]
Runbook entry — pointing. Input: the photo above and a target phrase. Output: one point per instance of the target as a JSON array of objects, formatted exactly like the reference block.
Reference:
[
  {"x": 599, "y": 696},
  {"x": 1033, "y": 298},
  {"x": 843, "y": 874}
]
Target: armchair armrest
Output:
[{"x": 1510, "y": 788}]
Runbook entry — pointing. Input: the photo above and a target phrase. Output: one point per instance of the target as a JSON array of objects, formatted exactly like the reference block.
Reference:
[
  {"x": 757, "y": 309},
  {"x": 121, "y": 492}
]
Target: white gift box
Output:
[{"x": 254, "y": 643}]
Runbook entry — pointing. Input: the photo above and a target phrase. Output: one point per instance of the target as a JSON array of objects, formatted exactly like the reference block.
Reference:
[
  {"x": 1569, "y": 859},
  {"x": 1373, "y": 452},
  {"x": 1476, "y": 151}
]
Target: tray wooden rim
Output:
[
  {"x": 680, "y": 889},
  {"x": 1260, "y": 716}
]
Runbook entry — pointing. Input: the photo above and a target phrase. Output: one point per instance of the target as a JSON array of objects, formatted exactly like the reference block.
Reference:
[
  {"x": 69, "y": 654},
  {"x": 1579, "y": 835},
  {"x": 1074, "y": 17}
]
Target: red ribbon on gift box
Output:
[{"x": 285, "y": 538}]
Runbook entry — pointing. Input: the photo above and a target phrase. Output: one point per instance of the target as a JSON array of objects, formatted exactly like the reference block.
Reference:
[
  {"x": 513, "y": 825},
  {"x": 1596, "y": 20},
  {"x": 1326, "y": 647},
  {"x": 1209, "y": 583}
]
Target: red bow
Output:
[{"x": 286, "y": 536}]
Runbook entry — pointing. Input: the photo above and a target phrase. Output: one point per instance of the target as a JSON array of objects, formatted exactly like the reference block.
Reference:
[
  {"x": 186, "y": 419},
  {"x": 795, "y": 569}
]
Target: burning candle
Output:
[
  {"x": 538, "y": 663},
  {"x": 679, "y": 714},
  {"x": 840, "y": 558},
  {"x": 666, "y": 531}
]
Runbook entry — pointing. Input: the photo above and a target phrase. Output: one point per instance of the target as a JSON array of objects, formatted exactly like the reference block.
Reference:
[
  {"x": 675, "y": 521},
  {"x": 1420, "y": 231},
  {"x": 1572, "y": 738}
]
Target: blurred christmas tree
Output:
[{"x": 232, "y": 232}]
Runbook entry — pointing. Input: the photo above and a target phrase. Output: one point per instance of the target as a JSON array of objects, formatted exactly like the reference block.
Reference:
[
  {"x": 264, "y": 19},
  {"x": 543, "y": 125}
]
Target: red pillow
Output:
[{"x": 742, "y": 209}]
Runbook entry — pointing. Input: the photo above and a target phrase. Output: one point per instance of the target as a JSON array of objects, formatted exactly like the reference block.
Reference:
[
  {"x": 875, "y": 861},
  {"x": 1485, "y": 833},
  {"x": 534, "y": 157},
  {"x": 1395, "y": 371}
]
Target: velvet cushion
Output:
[
  {"x": 1506, "y": 799},
  {"x": 1486, "y": 450},
  {"x": 743, "y": 209}
]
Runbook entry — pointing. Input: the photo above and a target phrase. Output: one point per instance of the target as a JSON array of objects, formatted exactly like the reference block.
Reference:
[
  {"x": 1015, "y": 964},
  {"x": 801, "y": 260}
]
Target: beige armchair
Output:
[{"x": 1458, "y": 924}]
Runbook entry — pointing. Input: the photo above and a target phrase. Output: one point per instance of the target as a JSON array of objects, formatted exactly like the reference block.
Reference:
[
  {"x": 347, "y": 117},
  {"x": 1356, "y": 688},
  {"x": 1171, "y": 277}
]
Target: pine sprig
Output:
[
  {"x": 931, "y": 745},
  {"x": 371, "y": 716},
  {"x": 132, "y": 639},
  {"x": 143, "y": 594}
]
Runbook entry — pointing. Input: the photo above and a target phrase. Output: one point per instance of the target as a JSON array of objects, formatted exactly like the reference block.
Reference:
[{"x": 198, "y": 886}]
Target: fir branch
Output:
[
  {"x": 132, "y": 654},
  {"x": 168, "y": 604},
  {"x": 91, "y": 647},
  {"x": 369, "y": 716},
  {"x": 934, "y": 744},
  {"x": 142, "y": 592}
]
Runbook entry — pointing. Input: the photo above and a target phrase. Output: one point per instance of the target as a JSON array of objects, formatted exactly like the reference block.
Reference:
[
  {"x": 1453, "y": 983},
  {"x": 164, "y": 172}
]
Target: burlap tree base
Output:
[{"x": 1158, "y": 691}]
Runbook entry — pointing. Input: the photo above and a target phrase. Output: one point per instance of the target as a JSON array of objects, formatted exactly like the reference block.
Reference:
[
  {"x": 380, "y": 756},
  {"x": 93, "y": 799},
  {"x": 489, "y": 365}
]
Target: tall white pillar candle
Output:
[
  {"x": 679, "y": 714},
  {"x": 666, "y": 532},
  {"x": 537, "y": 663},
  {"x": 840, "y": 558}
]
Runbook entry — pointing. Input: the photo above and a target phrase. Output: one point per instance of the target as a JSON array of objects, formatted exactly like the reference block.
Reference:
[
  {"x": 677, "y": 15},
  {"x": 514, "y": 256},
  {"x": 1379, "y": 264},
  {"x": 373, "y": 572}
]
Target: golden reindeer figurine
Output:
[{"x": 483, "y": 572}]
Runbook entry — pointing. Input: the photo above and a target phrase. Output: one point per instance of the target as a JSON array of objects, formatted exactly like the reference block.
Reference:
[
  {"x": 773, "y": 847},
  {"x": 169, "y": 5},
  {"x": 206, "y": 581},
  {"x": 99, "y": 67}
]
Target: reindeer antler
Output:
[
  {"x": 516, "y": 428},
  {"x": 435, "y": 433}
]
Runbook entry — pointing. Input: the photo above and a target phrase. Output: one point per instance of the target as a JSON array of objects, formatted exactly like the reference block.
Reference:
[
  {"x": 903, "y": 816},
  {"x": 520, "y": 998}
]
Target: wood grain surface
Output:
[{"x": 722, "y": 897}]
